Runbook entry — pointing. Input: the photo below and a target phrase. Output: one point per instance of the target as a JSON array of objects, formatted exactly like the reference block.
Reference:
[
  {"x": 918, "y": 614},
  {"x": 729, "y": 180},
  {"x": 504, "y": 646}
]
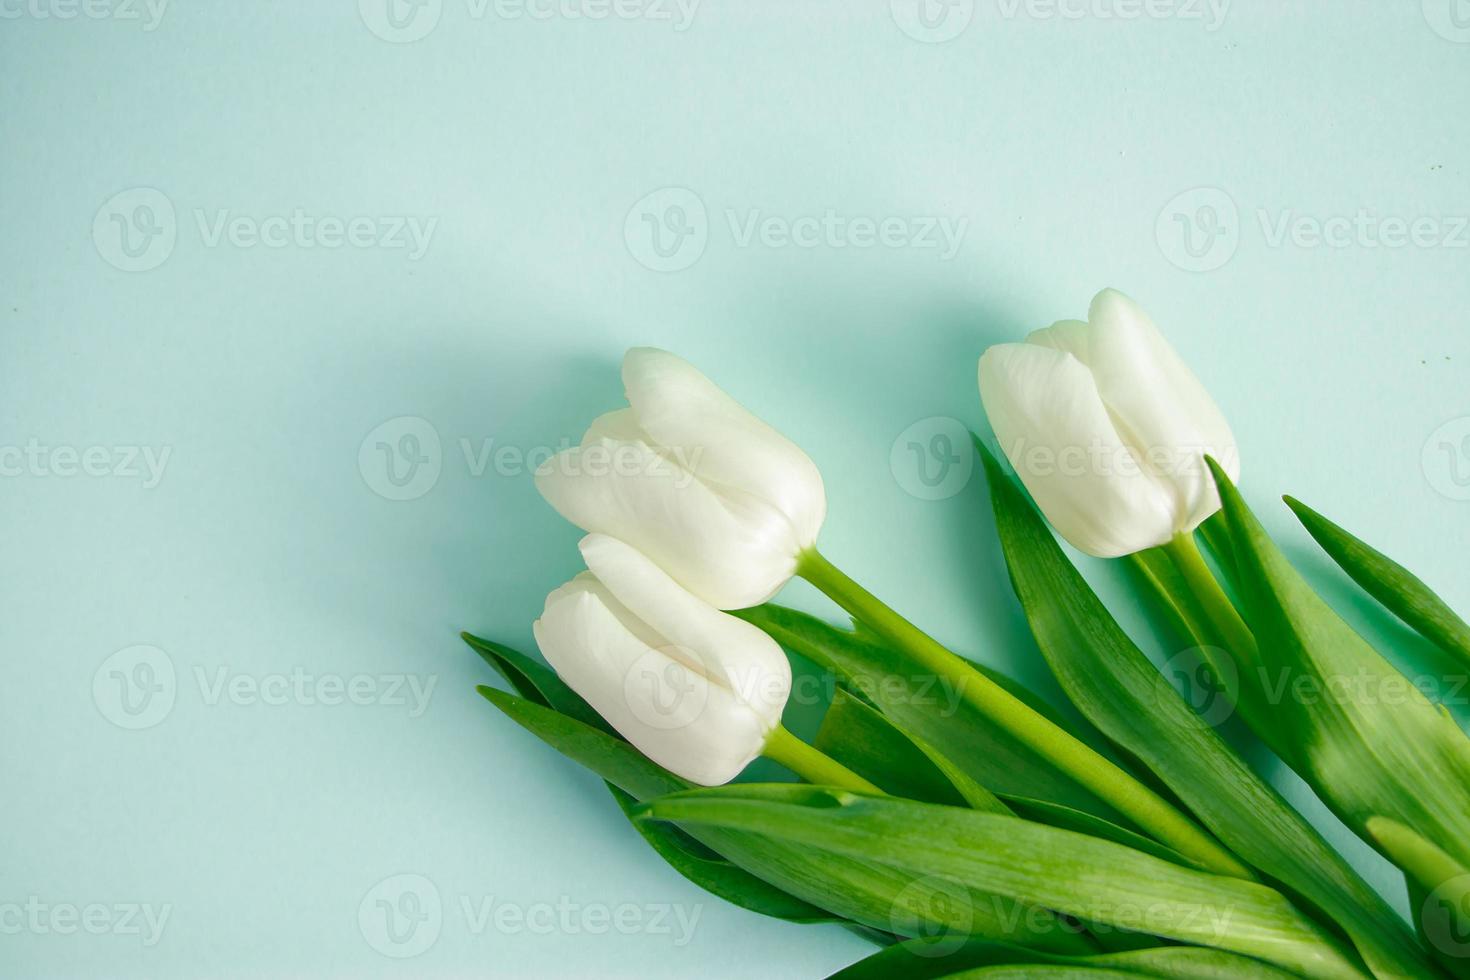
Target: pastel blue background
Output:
[{"x": 1155, "y": 154}]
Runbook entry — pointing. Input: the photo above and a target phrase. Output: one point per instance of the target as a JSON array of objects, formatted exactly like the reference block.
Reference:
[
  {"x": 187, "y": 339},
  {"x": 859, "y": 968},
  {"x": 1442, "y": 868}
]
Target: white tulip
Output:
[
  {"x": 694, "y": 689},
  {"x": 716, "y": 497},
  {"x": 1107, "y": 428}
]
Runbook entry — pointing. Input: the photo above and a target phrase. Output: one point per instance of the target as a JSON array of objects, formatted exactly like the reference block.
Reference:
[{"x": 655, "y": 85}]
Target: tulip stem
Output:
[
  {"x": 1147, "y": 809},
  {"x": 812, "y": 764},
  {"x": 1205, "y": 606}
]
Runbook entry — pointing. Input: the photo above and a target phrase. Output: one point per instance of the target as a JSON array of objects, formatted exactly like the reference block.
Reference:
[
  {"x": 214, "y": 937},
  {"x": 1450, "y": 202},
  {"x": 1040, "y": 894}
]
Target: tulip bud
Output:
[
  {"x": 716, "y": 497},
  {"x": 1107, "y": 428},
  {"x": 694, "y": 689}
]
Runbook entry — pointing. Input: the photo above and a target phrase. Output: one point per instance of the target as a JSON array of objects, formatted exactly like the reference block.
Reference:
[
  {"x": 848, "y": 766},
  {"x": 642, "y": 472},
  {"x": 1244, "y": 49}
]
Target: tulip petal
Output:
[
  {"x": 720, "y": 549},
  {"x": 1161, "y": 409},
  {"x": 729, "y": 651},
  {"x": 672, "y": 714},
  {"x": 725, "y": 445},
  {"x": 1056, "y": 431}
]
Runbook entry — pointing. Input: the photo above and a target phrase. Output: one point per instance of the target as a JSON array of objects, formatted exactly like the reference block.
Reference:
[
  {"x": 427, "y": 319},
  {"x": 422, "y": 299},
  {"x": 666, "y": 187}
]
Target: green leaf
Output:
[
  {"x": 1436, "y": 873},
  {"x": 877, "y": 896},
  {"x": 717, "y": 876},
  {"x": 1095, "y": 880},
  {"x": 922, "y": 959},
  {"x": 861, "y": 738},
  {"x": 1400, "y": 590},
  {"x": 698, "y": 863},
  {"x": 1366, "y": 738},
  {"x": 1124, "y": 695},
  {"x": 928, "y": 708},
  {"x": 536, "y": 681}
]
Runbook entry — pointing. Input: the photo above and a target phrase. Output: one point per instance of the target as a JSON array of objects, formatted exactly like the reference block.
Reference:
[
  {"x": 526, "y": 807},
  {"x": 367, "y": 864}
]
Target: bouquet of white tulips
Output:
[{"x": 987, "y": 834}]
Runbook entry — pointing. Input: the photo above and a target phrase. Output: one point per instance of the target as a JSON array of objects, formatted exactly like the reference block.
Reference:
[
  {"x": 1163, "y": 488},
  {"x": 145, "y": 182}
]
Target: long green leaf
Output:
[
  {"x": 871, "y": 894},
  {"x": 1400, "y": 590},
  {"x": 925, "y": 707},
  {"x": 1124, "y": 695},
  {"x": 1370, "y": 743},
  {"x": 1082, "y": 876},
  {"x": 865, "y": 740},
  {"x": 920, "y": 959}
]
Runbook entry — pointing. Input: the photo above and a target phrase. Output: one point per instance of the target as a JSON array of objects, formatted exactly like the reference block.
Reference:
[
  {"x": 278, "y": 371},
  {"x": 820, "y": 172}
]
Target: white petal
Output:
[
  {"x": 1056, "y": 432},
  {"x": 730, "y": 651},
  {"x": 1159, "y": 406},
  {"x": 725, "y": 445},
  {"x": 620, "y": 425},
  {"x": 671, "y": 714},
  {"x": 732, "y": 553}
]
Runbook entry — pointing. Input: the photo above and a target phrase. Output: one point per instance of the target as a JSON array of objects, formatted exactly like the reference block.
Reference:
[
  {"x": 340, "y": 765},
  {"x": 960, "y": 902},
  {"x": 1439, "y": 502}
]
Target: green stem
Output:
[
  {"x": 1206, "y": 606},
  {"x": 811, "y": 764},
  {"x": 1102, "y": 777}
]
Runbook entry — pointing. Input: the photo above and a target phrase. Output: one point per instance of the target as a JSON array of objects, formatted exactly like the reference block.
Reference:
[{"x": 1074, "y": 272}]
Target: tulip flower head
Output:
[
  {"x": 694, "y": 689},
  {"x": 720, "y": 500},
  {"x": 1107, "y": 427}
]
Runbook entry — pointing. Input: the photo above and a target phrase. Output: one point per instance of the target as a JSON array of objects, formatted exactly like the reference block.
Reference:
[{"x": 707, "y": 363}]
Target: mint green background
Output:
[{"x": 264, "y": 547}]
